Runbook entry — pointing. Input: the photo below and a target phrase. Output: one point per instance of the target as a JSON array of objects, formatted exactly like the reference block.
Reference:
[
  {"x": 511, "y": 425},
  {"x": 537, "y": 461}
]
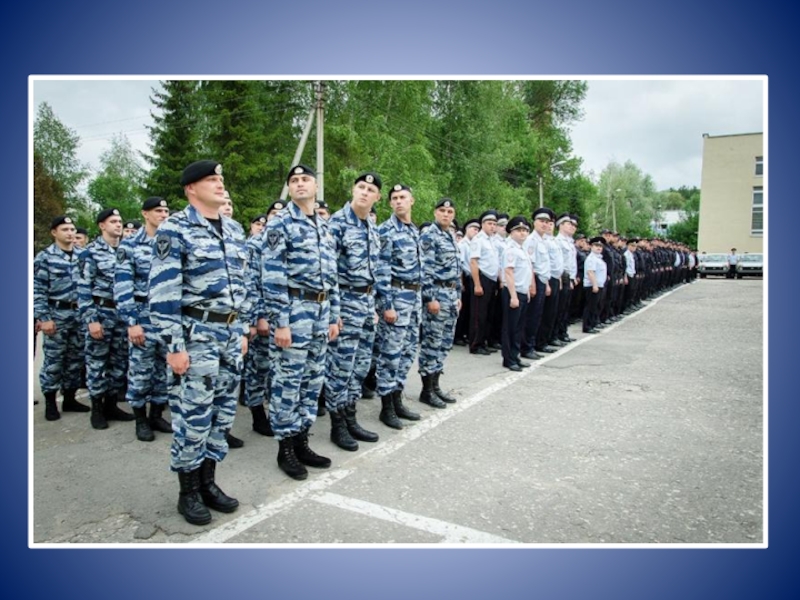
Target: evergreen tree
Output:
[{"x": 48, "y": 203}]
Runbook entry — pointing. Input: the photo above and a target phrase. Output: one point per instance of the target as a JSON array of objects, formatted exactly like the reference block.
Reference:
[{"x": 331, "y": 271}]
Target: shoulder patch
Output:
[
  {"x": 273, "y": 238},
  {"x": 425, "y": 244},
  {"x": 163, "y": 244},
  {"x": 121, "y": 254}
]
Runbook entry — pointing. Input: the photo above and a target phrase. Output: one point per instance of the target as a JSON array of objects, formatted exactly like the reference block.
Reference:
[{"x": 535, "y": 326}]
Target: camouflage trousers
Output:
[
  {"x": 147, "y": 370},
  {"x": 202, "y": 401},
  {"x": 107, "y": 358},
  {"x": 299, "y": 370},
  {"x": 397, "y": 343},
  {"x": 63, "y": 353},
  {"x": 256, "y": 371},
  {"x": 437, "y": 332},
  {"x": 350, "y": 355}
]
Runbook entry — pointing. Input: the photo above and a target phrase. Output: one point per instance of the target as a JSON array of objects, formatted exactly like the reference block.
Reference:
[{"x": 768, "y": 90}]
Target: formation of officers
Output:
[{"x": 309, "y": 313}]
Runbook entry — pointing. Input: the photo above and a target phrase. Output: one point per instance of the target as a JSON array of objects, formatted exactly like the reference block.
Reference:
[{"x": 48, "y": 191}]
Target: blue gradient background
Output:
[{"x": 424, "y": 38}]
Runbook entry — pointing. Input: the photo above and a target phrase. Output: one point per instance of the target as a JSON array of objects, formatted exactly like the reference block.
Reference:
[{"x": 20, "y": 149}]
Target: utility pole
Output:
[
  {"x": 299, "y": 152},
  {"x": 320, "y": 145}
]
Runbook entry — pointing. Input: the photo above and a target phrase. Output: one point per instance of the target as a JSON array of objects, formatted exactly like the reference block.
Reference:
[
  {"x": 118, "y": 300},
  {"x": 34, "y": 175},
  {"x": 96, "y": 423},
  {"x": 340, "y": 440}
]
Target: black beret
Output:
[
  {"x": 61, "y": 220},
  {"x": 445, "y": 203},
  {"x": 563, "y": 218},
  {"x": 81, "y": 230},
  {"x": 301, "y": 169},
  {"x": 262, "y": 218},
  {"x": 154, "y": 202},
  {"x": 200, "y": 169},
  {"x": 370, "y": 177},
  {"x": 132, "y": 225},
  {"x": 597, "y": 240},
  {"x": 104, "y": 214},
  {"x": 517, "y": 222},
  {"x": 488, "y": 215},
  {"x": 399, "y": 187},
  {"x": 277, "y": 205},
  {"x": 321, "y": 204},
  {"x": 544, "y": 213}
]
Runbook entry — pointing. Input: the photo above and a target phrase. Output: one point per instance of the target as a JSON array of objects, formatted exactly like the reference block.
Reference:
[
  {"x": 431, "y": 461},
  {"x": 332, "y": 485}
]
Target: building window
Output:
[
  {"x": 759, "y": 165},
  {"x": 757, "y": 219}
]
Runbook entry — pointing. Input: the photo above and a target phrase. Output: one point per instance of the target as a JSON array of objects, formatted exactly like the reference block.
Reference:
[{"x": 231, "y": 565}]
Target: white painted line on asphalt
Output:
[
  {"x": 449, "y": 532},
  {"x": 319, "y": 483}
]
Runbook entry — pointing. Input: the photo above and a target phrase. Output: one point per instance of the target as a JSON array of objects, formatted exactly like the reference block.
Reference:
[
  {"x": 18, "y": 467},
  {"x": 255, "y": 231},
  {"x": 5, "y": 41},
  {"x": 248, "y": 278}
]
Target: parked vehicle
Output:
[
  {"x": 750, "y": 265},
  {"x": 713, "y": 264}
]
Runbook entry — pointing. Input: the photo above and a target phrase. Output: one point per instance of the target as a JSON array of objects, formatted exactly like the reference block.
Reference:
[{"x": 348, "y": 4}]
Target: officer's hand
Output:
[
  {"x": 547, "y": 290},
  {"x": 245, "y": 344},
  {"x": 333, "y": 332},
  {"x": 178, "y": 362},
  {"x": 48, "y": 327},
  {"x": 283, "y": 337},
  {"x": 376, "y": 318},
  {"x": 252, "y": 332},
  {"x": 479, "y": 290},
  {"x": 595, "y": 289},
  {"x": 458, "y": 305},
  {"x": 262, "y": 325},
  {"x": 433, "y": 307},
  {"x": 96, "y": 331},
  {"x": 136, "y": 335},
  {"x": 532, "y": 290},
  {"x": 390, "y": 316},
  {"x": 514, "y": 302}
]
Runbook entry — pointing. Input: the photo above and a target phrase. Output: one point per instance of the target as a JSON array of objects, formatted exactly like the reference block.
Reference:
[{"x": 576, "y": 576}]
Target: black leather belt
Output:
[
  {"x": 310, "y": 296},
  {"x": 448, "y": 284},
  {"x": 140, "y": 298},
  {"x": 209, "y": 317},
  {"x": 405, "y": 286},
  {"x": 63, "y": 304},
  {"x": 356, "y": 290},
  {"x": 104, "y": 302}
]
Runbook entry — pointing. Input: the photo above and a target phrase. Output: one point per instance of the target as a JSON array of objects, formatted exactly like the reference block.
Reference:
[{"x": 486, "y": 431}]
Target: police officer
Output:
[
  {"x": 147, "y": 377},
  {"x": 517, "y": 273},
  {"x": 257, "y": 224},
  {"x": 567, "y": 225},
  {"x": 350, "y": 354},
  {"x": 301, "y": 298},
  {"x": 441, "y": 301},
  {"x": 471, "y": 228},
  {"x": 534, "y": 245},
  {"x": 733, "y": 260},
  {"x": 197, "y": 289},
  {"x": 398, "y": 303},
  {"x": 595, "y": 276},
  {"x": 545, "y": 335},
  {"x": 55, "y": 311},
  {"x": 130, "y": 228},
  {"x": 81, "y": 237},
  {"x": 322, "y": 209},
  {"x": 484, "y": 270},
  {"x": 106, "y": 335}
]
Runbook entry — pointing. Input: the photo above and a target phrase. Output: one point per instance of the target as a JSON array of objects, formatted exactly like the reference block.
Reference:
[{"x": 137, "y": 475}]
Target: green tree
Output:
[
  {"x": 625, "y": 200},
  {"x": 120, "y": 181},
  {"x": 174, "y": 139},
  {"x": 48, "y": 203},
  {"x": 57, "y": 147}
]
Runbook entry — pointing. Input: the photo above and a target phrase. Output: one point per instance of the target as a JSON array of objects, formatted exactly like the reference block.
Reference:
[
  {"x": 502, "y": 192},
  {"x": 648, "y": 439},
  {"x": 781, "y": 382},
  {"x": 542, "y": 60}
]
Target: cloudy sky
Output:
[{"x": 656, "y": 124}]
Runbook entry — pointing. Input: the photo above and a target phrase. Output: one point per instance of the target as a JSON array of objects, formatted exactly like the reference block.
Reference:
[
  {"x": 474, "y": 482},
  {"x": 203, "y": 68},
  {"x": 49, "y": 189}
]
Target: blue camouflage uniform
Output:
[
  {"x": 257, "y": 360},
  {"x": 147, "y": 374},
  {"x": 106, "y": 359},
  {"x": 398, "y": 288},
  {"x": 441, "y": 280},
  {"x": 55, "y": 298},
  {"x": 197, "y": 288},
  {"x": 349, "y": 356},
  {"x": 300, "y": 291}
]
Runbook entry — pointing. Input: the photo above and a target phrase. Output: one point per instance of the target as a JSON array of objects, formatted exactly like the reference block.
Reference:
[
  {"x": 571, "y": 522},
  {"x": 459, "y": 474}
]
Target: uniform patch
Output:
[
  {"x": 121, "y": 255},
  {"x": 163, "y": 245},
  {"x": 384, "y": 241},
  {"x": 273, "y": 239},
  {"x": 425, "y": 245}
]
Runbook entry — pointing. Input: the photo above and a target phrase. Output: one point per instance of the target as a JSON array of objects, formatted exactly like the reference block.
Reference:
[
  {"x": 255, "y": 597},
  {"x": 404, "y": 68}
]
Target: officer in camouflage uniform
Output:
[
  {"x": 146, "y": 353},
  {"x": 301, "y": 298},
  {"x": 197, "y": 289},
  {"x": 398, "y": 303},
  {"x": 107, "y": 336},
  {"x": 441, "y": 300},
  {"x": 350, "y": 355},
  {"x": 55, "y": 310}
]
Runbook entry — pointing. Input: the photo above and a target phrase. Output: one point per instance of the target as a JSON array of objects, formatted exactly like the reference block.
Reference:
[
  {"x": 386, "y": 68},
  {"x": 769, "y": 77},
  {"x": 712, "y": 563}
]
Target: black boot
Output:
[
  {"x": 340, "y": 435},
  {"x": 233, "y": 441},
  {"x": 321, "y": 410},
  {"x": 261, "y": 421},
  {"x": 72, "y": 405},
  {"x": 143, "y": 431},
  {"x": 212, "y": 495},
  {"x": 97, "y": 418},
  {"x": 370, "y": 385},
  {"x": 157, "y": 422},
  {"x": 287, "y": 460},
  {"x": 112, "y": 412},
  {"x": 355, "y": 429},
  {"x": 306, "y": 455},
  {"x": 388, "y": 416},
  {"x": 439, "y": 392},
  {"x": 50, "y": 407},
  {"x": 190, "y": 504},
  {"x": 427, "y": 396},
  {"x": 400, "y": 409}
]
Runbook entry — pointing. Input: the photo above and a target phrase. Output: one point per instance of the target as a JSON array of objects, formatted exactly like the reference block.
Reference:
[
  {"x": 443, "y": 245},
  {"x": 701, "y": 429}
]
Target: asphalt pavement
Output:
[{"x": 650, "y": 432}]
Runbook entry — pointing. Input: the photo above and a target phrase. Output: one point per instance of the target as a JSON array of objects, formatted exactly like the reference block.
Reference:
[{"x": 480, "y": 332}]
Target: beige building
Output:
[{"x": 732, "y": 193}]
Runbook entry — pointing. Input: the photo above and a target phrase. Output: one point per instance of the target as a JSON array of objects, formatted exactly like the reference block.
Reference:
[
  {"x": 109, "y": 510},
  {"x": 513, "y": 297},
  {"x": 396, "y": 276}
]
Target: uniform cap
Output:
[
  {"x": 199, "y": 170},
  {"x": 445, "y": 203},
  {"x": 488, "y": 215},
  {"x": 301, "y": 169},
  {"x": 61, "y": 220},
  {"x": 563, "y": 218},
  {"x": 132, "y": 225},
  {"x": 106, "y": 213},
  {"x": 399, "y": 187},
  {"x": 154, "y": 202},
  {"x": 277, "y": 205},
  {"x": 518, "y": 222},
  {"x": 544, "y": 213},
  {"x": 369, "y": 177},
  {"x": 262, "y": 218},
  {"x": 597, "y": 240}
]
